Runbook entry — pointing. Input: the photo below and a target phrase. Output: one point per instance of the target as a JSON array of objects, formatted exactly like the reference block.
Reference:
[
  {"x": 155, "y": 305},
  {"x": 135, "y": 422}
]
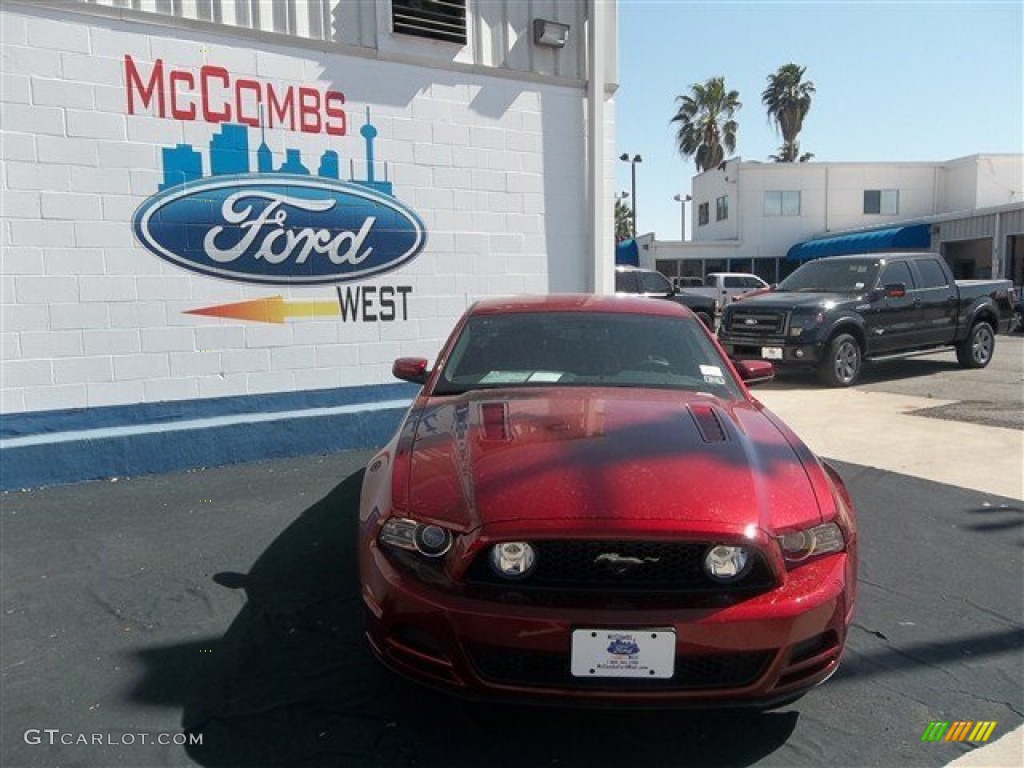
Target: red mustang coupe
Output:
[{"x": 585, "y": 504}]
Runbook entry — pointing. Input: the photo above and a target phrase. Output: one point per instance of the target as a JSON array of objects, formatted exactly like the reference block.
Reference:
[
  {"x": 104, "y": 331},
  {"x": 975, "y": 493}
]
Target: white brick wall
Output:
[{"x": 91, "y": 318}]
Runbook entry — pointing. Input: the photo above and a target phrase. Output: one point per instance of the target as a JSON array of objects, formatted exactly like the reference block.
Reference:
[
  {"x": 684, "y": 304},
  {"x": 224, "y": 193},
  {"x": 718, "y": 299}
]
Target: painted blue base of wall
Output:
[{"x": 58, "y": 447}]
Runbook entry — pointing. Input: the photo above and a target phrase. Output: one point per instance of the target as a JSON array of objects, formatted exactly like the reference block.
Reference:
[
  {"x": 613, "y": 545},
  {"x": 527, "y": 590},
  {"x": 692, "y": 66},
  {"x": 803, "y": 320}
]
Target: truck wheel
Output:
[
  {"x": 976, "y": 350},
  {"x": 842, "y": 362},
  {"x": 707, "y": 320}
]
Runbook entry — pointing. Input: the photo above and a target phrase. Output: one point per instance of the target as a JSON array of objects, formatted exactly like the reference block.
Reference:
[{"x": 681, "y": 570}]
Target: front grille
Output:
[
  {"x": 620, "y": 566},
  {"x": 755, "y": 322},
  {"x": 540, "y": 669}
]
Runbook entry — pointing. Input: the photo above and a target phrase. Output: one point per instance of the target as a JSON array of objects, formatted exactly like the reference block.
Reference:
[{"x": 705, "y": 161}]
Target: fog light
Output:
[
  {"x": 513, "y": 559},
  {"x": 799, "y": 353},
  {"x": 725, "y": 563}
]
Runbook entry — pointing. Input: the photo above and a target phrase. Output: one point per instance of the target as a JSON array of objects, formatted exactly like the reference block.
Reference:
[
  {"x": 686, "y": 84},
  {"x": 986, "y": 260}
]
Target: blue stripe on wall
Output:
[{"x": 57, "y": 447}]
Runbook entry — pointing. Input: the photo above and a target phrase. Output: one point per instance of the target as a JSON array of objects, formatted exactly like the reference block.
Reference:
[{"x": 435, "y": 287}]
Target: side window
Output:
[
  {"x": 654, "y": 282},
  {"x": 752, "y": 282},
  {"x": 733, "y": 282},
  {"x": 897, "y": 272},
  {"x": 624, "y": 282},
  {"x": 932, "y": 274}
]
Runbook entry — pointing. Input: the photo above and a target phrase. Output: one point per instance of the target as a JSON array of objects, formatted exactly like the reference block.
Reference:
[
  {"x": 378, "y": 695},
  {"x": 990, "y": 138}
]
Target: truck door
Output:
[
  {"x": 893, "y": 322},
  {"x": 939, "y": 302}
]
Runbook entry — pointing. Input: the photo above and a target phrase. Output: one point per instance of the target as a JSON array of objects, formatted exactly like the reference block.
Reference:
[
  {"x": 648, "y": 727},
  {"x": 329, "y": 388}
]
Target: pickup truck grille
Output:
[{"x": 755, "y": 322}]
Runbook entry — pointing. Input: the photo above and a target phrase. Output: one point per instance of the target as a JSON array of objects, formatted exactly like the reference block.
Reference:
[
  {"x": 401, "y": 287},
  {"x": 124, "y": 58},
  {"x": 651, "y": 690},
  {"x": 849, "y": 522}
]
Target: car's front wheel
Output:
[
  {"x": 841, "y": 365},
  {"x": 976, "y": 350}
]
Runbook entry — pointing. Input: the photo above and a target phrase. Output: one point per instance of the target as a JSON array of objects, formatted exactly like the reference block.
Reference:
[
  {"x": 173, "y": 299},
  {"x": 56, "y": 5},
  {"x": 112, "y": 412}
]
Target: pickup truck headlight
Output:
[
  {"x": 811, "y": 542},
  {"x": 800, "y": 323}
]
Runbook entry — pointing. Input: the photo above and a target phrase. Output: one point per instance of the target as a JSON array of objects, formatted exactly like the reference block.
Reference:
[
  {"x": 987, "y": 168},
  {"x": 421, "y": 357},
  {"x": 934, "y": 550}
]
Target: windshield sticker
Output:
[
  {"x": 719, "y": 380},
  {"x": 505, "y": 377},
  {"x": 858, "y": 286},
  {"x": 711, "y": 370},
  {"x": 545, "y": 376}
]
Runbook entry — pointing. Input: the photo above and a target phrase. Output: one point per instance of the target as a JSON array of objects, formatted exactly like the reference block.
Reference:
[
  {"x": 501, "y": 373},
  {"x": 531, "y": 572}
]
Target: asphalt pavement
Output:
[{"x": 224, "y": 603}]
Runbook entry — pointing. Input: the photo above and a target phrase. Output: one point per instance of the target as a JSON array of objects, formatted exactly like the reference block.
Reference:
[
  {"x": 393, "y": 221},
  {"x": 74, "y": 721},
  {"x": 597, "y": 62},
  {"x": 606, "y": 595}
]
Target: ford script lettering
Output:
[{"x": 280, "y": 230}]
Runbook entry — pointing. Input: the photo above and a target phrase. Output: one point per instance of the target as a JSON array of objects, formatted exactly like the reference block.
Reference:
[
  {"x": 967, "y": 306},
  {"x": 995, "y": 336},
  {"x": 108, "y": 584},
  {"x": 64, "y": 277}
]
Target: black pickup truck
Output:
[
  {"x": 833, "y": 314},
  {"x": 654, "y": 284}
]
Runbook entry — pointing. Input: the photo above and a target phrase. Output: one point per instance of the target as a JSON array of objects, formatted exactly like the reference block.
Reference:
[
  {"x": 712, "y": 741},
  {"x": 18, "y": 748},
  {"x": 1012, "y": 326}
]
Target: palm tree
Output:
[
  {"x": 788, "y": 100},
  {"x": 623, "y": 221},
  {"x": 707, "y": 129}
]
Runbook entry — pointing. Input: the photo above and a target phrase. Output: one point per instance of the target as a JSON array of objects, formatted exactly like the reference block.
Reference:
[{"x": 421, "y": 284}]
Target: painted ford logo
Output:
[{"x": 280, "y": 229}]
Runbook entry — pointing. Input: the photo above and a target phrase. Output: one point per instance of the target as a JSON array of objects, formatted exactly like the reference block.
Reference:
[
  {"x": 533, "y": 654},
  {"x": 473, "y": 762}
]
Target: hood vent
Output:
[
  {"x": 709, "y": 423},
  {"x": 494, "y": 417}
]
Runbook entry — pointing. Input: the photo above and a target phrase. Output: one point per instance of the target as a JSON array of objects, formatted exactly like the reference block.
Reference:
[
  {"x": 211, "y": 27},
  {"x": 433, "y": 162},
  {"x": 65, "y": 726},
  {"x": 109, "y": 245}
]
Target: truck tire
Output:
[
  {"x": 842, "y": 362},
  {"x": 976, "y": 350}
]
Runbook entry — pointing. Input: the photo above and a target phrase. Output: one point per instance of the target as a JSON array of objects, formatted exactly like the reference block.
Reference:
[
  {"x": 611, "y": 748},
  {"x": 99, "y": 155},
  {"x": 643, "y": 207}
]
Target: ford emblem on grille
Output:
[
  {"x": 750, "y": 321},
  {"x": 620, "y": 565}
]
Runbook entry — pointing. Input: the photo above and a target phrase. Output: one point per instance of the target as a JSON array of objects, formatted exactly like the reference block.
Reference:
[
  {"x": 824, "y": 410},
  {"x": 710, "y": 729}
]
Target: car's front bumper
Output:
[{"x": 757, "y": 652}]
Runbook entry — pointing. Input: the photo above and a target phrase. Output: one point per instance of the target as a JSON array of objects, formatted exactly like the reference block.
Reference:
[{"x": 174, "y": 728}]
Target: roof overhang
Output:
[{"x": 907, "y": 237}]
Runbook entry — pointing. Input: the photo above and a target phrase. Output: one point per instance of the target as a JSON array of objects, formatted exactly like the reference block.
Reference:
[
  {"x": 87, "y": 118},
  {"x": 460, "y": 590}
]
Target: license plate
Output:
[
  {"x": 647, "y": 653},
  {"x": 771, "y": 353}
]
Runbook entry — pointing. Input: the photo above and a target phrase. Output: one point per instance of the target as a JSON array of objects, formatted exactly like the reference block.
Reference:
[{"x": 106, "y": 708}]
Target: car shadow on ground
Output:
[
  {"x": 293, "y": 682},
  {"x": 872, "y": 373}
]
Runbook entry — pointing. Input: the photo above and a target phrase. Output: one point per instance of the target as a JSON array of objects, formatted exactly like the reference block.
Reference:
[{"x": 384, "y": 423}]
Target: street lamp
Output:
[
  {"x": 624, "y": 157},
  {"x": 682, "y": 200}
]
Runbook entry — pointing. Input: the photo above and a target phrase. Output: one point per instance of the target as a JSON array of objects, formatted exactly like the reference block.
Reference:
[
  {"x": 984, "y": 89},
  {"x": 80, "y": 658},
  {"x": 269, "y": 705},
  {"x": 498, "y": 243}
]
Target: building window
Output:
[
  {"x": 722, "y": 208},
  {"x": 443, "y": 20},
  {"x": 784, "y": 202},
  {"x": 882, "y": 201},
  {"x": 702, "y": 214}
]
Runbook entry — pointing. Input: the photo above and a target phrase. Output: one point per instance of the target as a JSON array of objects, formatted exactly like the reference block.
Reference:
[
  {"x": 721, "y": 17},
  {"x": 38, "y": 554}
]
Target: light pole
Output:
[
  {"x": 624, "y": 157},
  {"x": 682, "y": 200}
]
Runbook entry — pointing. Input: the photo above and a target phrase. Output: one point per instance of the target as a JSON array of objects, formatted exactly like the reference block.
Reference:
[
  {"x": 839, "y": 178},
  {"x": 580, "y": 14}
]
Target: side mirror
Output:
[
  {"x": 755, "y": 371},
  {"x": 412, "y": 369},
  {"x": 895, "y": 290}
]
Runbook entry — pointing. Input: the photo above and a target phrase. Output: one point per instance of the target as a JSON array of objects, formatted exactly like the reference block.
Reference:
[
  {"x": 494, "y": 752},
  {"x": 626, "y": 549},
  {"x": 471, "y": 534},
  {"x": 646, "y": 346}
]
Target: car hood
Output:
[{"x": 657, "y": 458}]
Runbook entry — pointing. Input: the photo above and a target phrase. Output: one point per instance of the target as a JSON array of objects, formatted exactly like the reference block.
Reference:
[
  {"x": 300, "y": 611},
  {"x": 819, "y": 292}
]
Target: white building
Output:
[
  {"x": 218, "y": 231},
  {"x": 747, "y": 216}
]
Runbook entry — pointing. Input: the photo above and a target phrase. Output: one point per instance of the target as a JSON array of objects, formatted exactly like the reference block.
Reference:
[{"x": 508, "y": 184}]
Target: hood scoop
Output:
[{"x": 708, "y": 422}]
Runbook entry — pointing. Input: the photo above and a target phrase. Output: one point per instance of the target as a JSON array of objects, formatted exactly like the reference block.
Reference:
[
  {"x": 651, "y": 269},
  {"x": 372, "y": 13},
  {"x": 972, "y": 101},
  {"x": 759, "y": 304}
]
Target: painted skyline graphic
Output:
[{"x": 230, "y": 156}]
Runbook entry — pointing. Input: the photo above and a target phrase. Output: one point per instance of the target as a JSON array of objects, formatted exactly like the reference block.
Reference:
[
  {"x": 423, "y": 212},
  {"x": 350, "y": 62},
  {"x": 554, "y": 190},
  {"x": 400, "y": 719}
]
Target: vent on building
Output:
[{"x": 436, "y": 19}]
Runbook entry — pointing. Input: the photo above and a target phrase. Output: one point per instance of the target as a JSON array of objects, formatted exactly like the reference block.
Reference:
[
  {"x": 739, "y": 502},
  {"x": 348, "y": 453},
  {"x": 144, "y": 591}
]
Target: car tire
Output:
[
  {"x": 707, "y": 319},
  {"x": 976, "y": 350},
  {"x": 842, "y": 362}
]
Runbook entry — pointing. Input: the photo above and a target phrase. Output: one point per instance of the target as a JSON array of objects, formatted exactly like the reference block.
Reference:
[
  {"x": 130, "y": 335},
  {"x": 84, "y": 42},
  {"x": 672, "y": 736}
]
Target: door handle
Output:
[{"x": 917, "y": 302}]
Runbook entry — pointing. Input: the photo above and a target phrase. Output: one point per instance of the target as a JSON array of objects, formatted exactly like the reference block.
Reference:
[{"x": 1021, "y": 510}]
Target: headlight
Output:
[
  {"x": 428, "y": 540},
  {"x": 800, "y": 323},
  {"x": 820, "y": 540},
  {"x": 726, "y": 563},
  {"x": 513, "y": 559}
]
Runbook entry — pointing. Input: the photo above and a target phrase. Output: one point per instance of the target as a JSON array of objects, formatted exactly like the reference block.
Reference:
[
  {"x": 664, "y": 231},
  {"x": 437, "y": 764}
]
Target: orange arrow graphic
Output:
[{"x": 273, "y": 309}]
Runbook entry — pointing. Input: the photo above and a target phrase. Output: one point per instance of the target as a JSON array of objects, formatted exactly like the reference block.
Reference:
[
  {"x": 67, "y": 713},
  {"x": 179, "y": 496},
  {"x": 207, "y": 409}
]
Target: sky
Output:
[{"x": 895, "y": 81}]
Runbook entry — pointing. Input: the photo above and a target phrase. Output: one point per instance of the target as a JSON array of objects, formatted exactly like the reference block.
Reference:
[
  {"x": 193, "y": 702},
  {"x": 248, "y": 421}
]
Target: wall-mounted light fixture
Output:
[{"x": 553, "y": 34}]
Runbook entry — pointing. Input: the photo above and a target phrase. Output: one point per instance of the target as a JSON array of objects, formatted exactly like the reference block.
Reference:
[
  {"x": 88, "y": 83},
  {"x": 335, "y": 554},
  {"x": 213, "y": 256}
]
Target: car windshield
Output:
[
  {"x": 843, "y": 276},
  {"x": 557, "y": 349}
]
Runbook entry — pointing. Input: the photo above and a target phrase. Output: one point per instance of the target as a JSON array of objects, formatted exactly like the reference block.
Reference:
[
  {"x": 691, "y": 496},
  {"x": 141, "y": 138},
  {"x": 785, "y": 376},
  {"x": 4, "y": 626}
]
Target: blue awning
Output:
[
  {"x": 910, "y": 236},
  {"x": 627, "y": 254}
]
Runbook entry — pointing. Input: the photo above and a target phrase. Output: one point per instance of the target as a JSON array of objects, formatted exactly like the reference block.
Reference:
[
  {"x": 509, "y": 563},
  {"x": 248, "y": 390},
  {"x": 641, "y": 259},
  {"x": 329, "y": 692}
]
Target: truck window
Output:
[
  {"x": 654, "y": 282},
  {"x": 897, "y": 272},
  {"x": 932, "y": 273},
  {"x": 624, "y": 282},
  {"x": 733, "y": 282}
]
